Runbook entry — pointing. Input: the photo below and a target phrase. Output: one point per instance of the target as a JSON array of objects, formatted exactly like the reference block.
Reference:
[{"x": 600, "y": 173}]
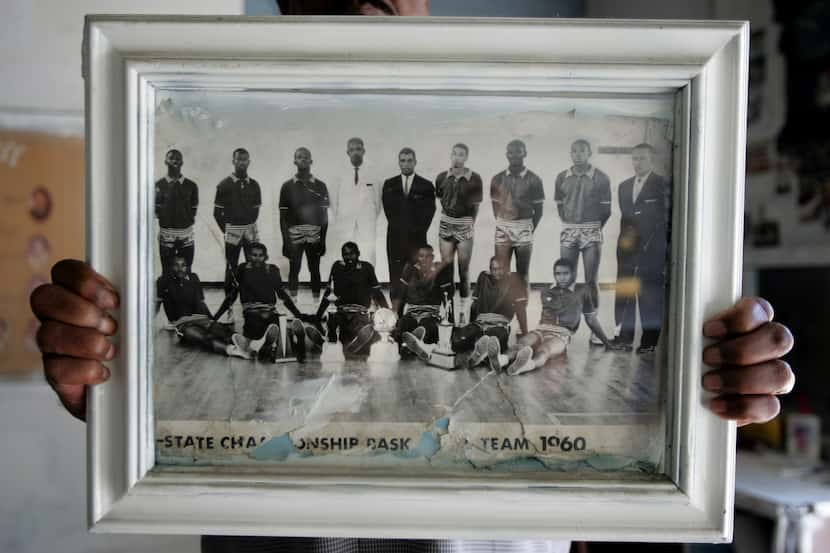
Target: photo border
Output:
[{"x": 704, "y": 63}]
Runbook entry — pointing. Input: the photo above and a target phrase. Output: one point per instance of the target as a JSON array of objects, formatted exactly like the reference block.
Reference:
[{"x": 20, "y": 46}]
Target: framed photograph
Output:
[{"x": 402, "y": 277}]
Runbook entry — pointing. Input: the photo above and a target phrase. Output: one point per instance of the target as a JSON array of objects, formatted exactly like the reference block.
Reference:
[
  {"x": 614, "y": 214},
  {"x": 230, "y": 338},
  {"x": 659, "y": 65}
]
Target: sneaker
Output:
[
  {"x": 595, "y": 341},
  {"x": 416, "y": 346},
  {"x": 419, "y": 333},
  {"x": 479, "y": 352},
  {"x": 239, "y": 342},
  {"x": 618, "y": 344},
  {"x": 645, "y": 349},
  {"x": 365, "y": 336},
  {"x": 298, "y": 340},
  {"x": 522, "y": 363},
  {"x": 234, "y": 351},
  {"x": 314, "y": 334},
  {"x": 256, "y": 345},
  {"x": 493, "y": 353}
]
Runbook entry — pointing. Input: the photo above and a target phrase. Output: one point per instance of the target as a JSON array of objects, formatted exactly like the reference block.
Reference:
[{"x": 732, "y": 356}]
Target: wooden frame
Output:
[{"x": 704, "y": 63}]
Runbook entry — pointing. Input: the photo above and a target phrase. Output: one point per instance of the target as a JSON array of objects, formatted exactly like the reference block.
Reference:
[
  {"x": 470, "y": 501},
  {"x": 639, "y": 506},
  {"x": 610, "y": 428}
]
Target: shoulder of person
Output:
[
  {"x": 161, "y": 182},
  {"x": 195, "y": 276},
  {"x": 626, "y": 182},
  {"x": 253, "y": 181},
  {"x": 422, "y": 180},
  {"x": 562, "y": 175},
  {"x": 533, "y": 176},
  {"x": 273, "y": 268},
  {"x": 224, "y": 182},
  {"x": 367, "y": 266},
  {"x": 190, "y": 181},
  {"x": 599, "y": 173},
  {"x": 441, "y": 176},
  {"x": 161, "y": 282},
  {"x": 475, "y": 175}
]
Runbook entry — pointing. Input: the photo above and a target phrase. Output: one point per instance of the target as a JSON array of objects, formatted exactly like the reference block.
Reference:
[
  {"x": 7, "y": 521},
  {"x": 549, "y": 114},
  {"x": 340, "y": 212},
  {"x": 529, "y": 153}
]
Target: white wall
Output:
[
  {"x": 41, "y": 46},
  {"x": 42, "y": 461}
]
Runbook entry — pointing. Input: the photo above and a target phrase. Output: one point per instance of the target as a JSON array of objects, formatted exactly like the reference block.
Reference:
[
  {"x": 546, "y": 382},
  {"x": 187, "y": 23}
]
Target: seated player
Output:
[
  {"x": 258, "y": 285},
  {"x": 563, "y": 304},
  {"x": 422, "y": 293},
  {"x": 498, "y": 296},
  {"x": 355, "y": 285},
  {"x": 180, "y": 292}
]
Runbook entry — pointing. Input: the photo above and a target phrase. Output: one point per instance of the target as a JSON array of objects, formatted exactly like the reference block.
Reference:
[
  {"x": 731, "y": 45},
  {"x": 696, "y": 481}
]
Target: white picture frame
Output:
[{"x": 704, "y": 63}]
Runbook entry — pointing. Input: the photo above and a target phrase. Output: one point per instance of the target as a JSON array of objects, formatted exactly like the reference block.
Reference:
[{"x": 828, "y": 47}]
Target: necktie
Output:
[
  {"x": 406, "y": 185},
  {"x": 356, "y": 179}
]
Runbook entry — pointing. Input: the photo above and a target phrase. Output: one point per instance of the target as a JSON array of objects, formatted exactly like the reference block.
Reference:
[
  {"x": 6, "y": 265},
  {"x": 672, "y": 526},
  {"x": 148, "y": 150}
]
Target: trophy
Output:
[
  {"x": 443, "y": 356},
  {"x": 384, "y": 321}
]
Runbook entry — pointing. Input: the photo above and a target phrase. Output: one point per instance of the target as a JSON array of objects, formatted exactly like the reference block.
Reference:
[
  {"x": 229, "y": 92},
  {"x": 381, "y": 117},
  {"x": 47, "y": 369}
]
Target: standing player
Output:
[
  {"x": 518, "y": 201},
  {"x": 236, "y": 209},
  {"x": 424, "y": 289},
  {"x": 641, "y": 251},
  {"x": 355, "y": 202},
  {"x": 460, "y": 191},
  {"x": 177, "y": 199},
  {"x": 583, "y": 198},
  {"x": 180, "y": 292},
  {"x": 563, "y": 305},
  {"x": 304, "y": 203},
  {"x": 355, "y": 285},
  {"x": 409, "y": 205},
  {"x": 499, "y": 295}
]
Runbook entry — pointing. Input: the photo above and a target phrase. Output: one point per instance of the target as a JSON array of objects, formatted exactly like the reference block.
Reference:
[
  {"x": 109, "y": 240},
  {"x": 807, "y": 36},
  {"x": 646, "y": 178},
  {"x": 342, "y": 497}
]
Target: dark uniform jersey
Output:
[
  {"x": 500, "y": 297},
  {"x": 516, "y": 196},
  {"x": 418, "y": 290},
  {"x": 459, "y": 195},
  {"x": 239, "y": 199},
  {"x": 304, "y": 202},
  {"x": 176, "y": 202},
  {"x": 180, "y": 296},
  {"x": 353, "y": 285},
  {"x": 564, "y": 307},
  {"x": 259, "y": 286}
]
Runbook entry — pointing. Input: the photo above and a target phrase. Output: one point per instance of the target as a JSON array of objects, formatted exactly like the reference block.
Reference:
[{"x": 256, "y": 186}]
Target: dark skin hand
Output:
[{"x": 747, "y": 374}]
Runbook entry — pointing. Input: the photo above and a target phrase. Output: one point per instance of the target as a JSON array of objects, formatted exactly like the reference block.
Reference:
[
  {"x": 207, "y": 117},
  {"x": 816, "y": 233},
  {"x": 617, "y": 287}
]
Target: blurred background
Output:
[{"x": 783, "y": 488}]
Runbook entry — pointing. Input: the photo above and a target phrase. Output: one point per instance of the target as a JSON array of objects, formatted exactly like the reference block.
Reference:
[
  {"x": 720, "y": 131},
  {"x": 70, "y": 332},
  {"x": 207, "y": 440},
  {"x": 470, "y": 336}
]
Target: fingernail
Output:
[
  {"x": 110, "y": 352},
  {"x": 712, "y": 356},
  {"x": 105, "y": 373},
  {"x": 714, "y": 329},
  {"x": 712, "y": 382},
  {"x": 718, "y": 406},
  {"x": 106, "y": 325},
  {"x": 105, "y": 299}
]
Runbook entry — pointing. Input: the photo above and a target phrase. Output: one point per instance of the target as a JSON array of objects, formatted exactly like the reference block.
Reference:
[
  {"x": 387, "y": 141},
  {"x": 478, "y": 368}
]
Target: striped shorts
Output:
[
  {"x": 234, "y": 234},
  {"x": 456, "y": 229},
  {"x": 549, "y": 332},
  {"x": 169, "y": 236},
  {"x": 421, "y": 312},
  {"x": 580, "y": 236},
  {"x": 304, "y": 234},
  {"x": 516, "y": 233},
  {"x": 490, "y": 320}
]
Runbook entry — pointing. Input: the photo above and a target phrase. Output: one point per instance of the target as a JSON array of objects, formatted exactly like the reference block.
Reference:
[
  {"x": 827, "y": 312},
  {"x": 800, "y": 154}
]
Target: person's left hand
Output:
[{"x": 748, "y": 373}]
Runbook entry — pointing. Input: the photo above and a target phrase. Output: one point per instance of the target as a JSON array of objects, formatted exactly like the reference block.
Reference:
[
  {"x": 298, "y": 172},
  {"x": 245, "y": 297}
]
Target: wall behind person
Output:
[{"x": 207, "y": 127}]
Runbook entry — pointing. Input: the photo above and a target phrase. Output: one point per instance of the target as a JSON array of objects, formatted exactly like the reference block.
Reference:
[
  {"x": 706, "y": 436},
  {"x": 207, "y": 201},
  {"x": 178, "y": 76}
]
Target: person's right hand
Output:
[{"x": 73, "y": 334}]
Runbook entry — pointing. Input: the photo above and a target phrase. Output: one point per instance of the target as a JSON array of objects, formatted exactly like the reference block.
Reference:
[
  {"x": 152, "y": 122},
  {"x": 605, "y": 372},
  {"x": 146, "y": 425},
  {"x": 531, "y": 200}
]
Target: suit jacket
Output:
[
  {"x": 409, "y": 215},
  {"x": 643, "y": 240}
]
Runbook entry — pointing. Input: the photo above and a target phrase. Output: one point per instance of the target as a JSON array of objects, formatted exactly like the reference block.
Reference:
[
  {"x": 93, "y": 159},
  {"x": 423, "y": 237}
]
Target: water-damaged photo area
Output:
[{"x": 420, "y": 282}]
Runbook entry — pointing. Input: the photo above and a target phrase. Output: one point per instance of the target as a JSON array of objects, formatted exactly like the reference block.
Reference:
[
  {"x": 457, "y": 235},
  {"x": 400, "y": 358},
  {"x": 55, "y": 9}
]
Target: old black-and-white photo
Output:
[{"x": 457, "y": 282}]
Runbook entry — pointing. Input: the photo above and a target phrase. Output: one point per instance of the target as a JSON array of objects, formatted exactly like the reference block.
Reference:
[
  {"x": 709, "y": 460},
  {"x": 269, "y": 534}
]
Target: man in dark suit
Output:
[
  {"x": 641, "y": 251},
  {"x": 409, "y": 204}
]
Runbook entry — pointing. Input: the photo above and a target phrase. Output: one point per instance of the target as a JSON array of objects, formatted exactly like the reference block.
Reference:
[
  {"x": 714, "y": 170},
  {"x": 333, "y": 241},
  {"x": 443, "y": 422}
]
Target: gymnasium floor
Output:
[{"x": 590, "y": 388}]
